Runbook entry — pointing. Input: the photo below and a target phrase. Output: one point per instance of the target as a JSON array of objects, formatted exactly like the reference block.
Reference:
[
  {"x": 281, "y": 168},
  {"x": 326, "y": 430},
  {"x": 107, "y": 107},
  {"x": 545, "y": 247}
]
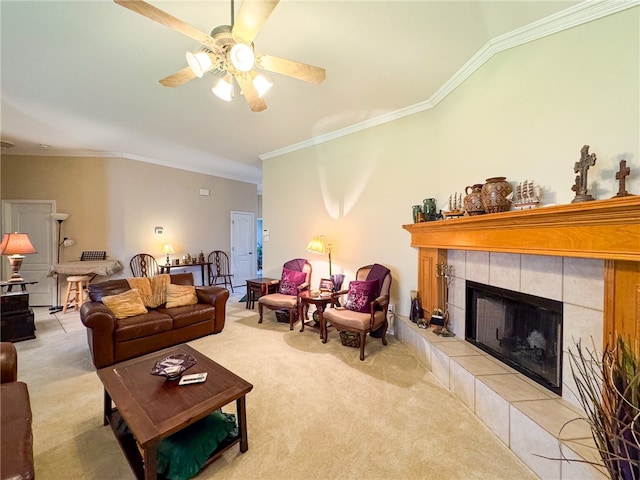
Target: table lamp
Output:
[
  {"x": 15, "y": 246},
  {"x": 168, "y": 249}
]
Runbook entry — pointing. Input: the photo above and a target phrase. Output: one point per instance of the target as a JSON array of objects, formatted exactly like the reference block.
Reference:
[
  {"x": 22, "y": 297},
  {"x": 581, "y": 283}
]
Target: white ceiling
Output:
[{"x": 82, "y": 76}]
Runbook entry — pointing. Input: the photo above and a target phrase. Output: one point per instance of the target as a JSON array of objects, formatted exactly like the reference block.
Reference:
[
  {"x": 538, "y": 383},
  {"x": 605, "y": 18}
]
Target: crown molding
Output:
[
  {"x": 579, "y": 14},
  {"x": 245, "y": 174}
]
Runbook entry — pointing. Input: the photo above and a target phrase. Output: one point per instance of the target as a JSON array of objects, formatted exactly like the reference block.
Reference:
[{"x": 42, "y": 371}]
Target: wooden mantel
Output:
[
  {"x": 601, "y": 229},
  {"x": 606, "y": 229}
]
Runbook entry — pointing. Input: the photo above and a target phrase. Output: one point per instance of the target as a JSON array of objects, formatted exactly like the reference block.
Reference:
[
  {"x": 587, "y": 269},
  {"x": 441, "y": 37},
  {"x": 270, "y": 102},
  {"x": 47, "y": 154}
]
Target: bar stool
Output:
[{"x": 76, "y": 285}]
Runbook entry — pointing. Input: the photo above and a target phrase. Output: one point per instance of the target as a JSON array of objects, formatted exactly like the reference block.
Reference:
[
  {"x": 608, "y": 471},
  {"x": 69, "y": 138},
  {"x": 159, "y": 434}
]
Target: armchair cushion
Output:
[
  {"x": 125, "y": 304},
  {"x": 360, "y": 295},
  {"x": 278, "y": 300},
  {"x": 290, "y": 281},
  {"x": 181, "y": 295}
]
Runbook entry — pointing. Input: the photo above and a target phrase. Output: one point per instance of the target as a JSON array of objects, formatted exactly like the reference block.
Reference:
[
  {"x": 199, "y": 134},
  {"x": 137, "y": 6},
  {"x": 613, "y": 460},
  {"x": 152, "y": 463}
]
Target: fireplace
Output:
[{"x": 523, "y": 331}]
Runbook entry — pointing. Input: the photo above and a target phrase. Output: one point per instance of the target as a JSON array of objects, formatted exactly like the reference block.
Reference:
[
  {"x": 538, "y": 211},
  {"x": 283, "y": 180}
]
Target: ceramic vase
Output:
[
  {"x": 429, "y": 209},
  {"x": 473, "y": 200},
  {"x": 416, "y": 211},
  {"x": 495, "y": 195}
]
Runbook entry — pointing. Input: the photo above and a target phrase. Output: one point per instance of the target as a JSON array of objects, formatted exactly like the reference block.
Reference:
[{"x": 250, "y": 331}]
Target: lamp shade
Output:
[
  {"x": 59, "y": 216},
  {"x": 223, "y": 88},
  {"x": 16, "y": 244},
  {"x": 317, "y": 245},
  {"x": 200, "y": 63},
  {"x": 242, "y": 57},
  {"x": 262, "y": 84}
]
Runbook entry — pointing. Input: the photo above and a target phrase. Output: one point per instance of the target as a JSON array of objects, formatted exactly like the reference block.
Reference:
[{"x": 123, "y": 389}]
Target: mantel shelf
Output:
[{"x": 605, "y": 229}]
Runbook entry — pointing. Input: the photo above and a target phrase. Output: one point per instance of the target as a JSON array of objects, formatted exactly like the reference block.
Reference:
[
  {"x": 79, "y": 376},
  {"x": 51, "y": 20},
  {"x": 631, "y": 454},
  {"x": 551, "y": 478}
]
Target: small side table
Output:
[
  {"x": 305, "y": 299},
  {"x": 23, "y": 285},
  {"x": 258, "y": 287}
]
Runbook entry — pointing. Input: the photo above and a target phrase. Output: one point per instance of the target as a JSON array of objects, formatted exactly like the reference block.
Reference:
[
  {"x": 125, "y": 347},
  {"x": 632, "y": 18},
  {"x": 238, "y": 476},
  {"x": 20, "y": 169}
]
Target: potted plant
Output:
[{"x": 609, "y": 391}]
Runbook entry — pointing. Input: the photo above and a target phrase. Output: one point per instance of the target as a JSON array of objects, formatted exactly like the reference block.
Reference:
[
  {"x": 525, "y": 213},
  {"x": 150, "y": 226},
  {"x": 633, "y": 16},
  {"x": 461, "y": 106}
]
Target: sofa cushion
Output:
[
  {"x": 110, "y": 287},
  {"x": 290, "y": 281},
  {"x": 125, "y": 304},
  {"x": 143, "y": 325},
  {"x": 190, "y": 314},
  {"x": 181, "y": 295}
]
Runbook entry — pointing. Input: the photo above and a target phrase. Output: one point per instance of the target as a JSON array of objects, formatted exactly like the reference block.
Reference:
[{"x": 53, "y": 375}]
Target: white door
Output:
[
  {"x": 33, "y": 217},
  {"x": 243, "y": 247}
]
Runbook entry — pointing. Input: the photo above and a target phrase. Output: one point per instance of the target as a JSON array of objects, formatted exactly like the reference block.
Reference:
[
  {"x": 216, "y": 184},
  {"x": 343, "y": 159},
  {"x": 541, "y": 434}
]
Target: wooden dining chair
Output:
[
  {"x": 144, "y": 265},
  {"x": 219, "y": 269}
]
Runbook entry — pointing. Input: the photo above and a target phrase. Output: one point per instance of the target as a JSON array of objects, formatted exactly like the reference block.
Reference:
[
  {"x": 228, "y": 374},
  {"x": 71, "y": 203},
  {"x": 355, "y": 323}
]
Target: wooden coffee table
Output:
[{"x": 154, "y": 408}]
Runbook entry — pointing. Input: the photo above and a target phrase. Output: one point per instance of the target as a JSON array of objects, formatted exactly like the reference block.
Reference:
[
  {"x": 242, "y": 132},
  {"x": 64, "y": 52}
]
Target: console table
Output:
[{"x": 187, "y": 266}]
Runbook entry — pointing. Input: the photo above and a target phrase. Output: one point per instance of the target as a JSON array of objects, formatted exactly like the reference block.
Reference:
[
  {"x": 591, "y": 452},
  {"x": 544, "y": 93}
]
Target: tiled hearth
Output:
[{"x": 524, "y": 415}]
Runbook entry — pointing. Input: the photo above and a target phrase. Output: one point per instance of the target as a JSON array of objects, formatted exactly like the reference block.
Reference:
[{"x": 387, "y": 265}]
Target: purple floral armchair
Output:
[
  {"x": 296, "y": 277},
  {"x": 365, "y": 309}
]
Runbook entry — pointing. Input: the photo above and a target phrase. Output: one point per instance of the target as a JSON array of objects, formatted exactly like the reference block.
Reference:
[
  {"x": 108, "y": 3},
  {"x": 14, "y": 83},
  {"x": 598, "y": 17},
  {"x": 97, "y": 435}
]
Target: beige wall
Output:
[
  {"x": 115, "y": 203},
  {"x": 524, "y": 114}
]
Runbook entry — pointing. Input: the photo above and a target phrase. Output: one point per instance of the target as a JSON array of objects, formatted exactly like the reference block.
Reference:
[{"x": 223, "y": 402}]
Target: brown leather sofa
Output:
[
  {"x": 112, "y": 340},
  {"x": 16, "y": 436}
]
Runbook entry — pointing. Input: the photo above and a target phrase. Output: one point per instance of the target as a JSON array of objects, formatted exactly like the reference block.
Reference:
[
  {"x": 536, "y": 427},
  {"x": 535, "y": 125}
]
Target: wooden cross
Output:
[
  {"x": 581, "y": 167},
  {"x": 621, "y": 177}
]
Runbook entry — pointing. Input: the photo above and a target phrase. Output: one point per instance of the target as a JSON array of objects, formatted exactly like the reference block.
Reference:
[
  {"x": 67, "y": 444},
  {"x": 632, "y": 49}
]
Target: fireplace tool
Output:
[{"x": 440, "y": 317}]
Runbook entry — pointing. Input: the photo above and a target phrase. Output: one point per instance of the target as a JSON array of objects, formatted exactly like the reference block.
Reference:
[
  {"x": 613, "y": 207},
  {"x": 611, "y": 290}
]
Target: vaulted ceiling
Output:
[{"x": 81, "y": 77}]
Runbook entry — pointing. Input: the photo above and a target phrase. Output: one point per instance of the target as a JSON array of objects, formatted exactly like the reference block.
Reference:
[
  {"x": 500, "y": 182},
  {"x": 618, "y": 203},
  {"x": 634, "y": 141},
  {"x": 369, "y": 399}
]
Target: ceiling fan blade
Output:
[
  {"x": 256, "y": 104},
  {"x": 301, "y": 71},
  {"x": 163, "y": 18},
  {"x": 251, "y": 18},
  {"x": 178, "y": 78}
]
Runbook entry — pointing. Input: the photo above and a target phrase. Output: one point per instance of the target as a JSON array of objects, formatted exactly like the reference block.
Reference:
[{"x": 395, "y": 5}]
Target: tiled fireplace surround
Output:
[{"x": 524, "y": 415}]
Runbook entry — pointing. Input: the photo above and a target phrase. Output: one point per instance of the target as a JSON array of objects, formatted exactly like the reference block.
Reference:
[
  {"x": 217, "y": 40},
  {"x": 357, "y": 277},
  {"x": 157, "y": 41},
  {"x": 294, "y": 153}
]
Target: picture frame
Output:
[{"x": 326, "y": 285}]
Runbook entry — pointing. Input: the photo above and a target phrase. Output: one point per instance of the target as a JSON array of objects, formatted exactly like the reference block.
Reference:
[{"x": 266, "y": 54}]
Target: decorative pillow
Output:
[
  {"x": 360, "y": 296},
  {"x": 143, "y": 286},
  {"x": 183, "y": 454},
  {"x": 181, "y": 295},
  {"x": 290, "y": 281},
  {"x": 159, "y": 285},
  {"x": 125, "y": 304}
]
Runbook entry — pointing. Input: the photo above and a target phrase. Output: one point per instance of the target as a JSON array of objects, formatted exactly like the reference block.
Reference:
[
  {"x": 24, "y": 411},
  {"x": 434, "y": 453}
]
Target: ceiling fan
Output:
[{"x": 228, "y": 52}]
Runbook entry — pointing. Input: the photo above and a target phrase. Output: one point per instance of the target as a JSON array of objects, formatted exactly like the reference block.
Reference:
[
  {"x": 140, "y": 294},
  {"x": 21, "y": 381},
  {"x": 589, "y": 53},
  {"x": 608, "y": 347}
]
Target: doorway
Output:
[
  {"x": 33, "y": 217},
  {"x": 243, "y": 247}
]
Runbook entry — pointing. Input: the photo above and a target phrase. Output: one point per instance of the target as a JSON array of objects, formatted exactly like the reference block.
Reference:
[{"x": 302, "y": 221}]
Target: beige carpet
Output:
[{"x": 315, "y": 411}]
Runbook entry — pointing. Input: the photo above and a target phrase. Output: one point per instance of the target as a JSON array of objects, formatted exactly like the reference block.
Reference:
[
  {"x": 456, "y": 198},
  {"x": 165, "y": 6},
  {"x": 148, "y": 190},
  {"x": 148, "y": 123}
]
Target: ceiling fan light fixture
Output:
[
  {"x": 200, "y": 63},
  {"x": 262, "y": 84},
  {"x": 223, "y": 88},
  {"x": 242, "y": 57}
]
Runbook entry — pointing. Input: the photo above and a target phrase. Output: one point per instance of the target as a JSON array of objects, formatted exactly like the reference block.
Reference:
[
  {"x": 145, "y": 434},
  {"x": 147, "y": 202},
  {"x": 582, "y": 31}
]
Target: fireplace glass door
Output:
[{"x": 523, "y": 331}]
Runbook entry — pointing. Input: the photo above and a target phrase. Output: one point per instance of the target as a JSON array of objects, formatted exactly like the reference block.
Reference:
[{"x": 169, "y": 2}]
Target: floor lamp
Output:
[{"x": 59, "y": 217}]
